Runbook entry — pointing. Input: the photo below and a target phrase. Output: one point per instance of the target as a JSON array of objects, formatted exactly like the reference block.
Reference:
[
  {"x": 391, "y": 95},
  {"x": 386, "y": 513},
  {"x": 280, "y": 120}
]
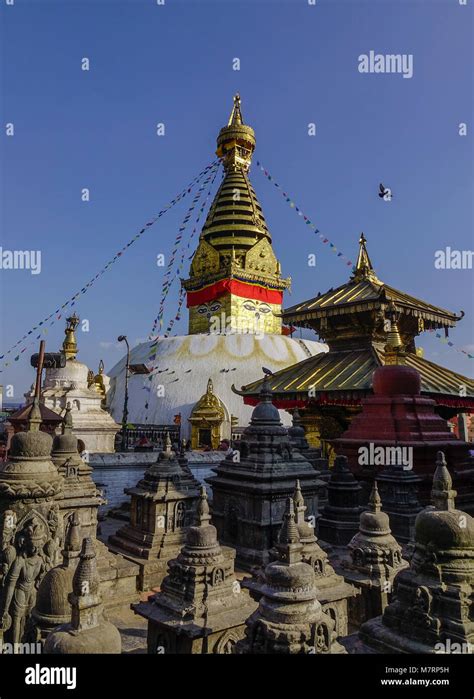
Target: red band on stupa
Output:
[{"x": 232, "y": 286}]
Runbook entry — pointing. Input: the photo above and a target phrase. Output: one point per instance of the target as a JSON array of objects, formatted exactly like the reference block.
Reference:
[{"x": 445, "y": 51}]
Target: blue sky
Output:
[{"x": 173, "y": 64}]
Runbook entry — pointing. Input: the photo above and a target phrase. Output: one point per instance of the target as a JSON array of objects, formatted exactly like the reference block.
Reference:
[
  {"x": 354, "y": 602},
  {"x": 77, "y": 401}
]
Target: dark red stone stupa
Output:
[{"x": 398, "y": 416}]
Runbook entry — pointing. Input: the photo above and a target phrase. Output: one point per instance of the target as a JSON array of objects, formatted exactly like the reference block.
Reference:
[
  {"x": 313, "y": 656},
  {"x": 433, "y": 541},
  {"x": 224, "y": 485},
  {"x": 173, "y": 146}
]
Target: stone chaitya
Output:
[
  {"x": 52, "y": 606},
  {"x": 339, "y": 521},
  {"x": 30, "y": 525},
  {"x": 431, "y": 609},
  {"x": 162, "y": 505},
  {"x": 297, "y": 435},
  {"x": 251, "y": 486},
  {"x": 374, "y": 558},
  {"x": 118, "y": 577},
  {"x": 289, "y": 618},
  {"x": 333, "y": 592},
  {"x": 88, "y": 631},
  {"x": 201, "y": 607}
]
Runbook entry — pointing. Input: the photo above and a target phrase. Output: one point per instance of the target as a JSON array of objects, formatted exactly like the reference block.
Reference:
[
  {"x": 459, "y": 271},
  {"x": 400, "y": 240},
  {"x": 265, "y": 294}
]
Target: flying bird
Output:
[{"x": 385, "y": 192}]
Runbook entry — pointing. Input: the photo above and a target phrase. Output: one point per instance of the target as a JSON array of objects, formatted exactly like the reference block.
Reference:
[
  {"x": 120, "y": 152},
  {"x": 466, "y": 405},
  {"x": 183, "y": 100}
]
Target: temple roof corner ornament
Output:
[{"x": 364, "y": 269}]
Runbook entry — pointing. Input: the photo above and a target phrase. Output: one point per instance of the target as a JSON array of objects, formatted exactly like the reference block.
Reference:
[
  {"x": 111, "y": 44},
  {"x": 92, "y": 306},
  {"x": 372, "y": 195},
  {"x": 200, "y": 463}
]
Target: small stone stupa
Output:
[
  {"x": 252, "y": 484},
  {"x": 297, "y": 435},
  {"x": 431, "y": 609},
  {"x": 52, "y": 604},
  {"x": 162, "y": 505},
  {"x": 201, "y": 607},
  {"x": 289, "y": 618},
  {"x": 333, "y": 591},
  {"x": 30, "y": 525},
  {"x": 340, "y": 516},
  {"x": 374, "y": 558},
  {"x": 88, "y": 631},
  {"x": 118, "y": 577}
]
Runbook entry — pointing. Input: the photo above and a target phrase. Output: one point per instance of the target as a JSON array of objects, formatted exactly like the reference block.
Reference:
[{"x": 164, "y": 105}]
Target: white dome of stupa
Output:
[{"x": 183, "y": 366}]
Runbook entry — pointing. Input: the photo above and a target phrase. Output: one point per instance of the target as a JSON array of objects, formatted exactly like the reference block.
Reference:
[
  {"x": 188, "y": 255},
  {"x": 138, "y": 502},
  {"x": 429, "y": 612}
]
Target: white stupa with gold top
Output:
[
  {"x": 234, "y": 295},
  {"x": 86, "y": 392}
]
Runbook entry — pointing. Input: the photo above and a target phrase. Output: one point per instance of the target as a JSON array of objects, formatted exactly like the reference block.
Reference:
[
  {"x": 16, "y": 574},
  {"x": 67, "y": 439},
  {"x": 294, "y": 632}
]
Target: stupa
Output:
[
  {"x": 30, "y": 523},
  {"x": 374, "y": 559},
  {"x": 289, "y": 618},
  {"x": 339, "y": 520},
  {"x": 252, "y": 484},
  {"x": 93, "y": 425},
  {"x": 234, "y": 294},
  {"x": 398, "y": 427},
  {"x": 334, "y": 593},
  {"x": 79, "y": 502},
  {"x": 52, "y": 606},
  {"x": 88, "y": 630},
  {"x": 162, "y": 505},
  {"x": 431, "y": 609},
  {"x": 201, "y": 607}
]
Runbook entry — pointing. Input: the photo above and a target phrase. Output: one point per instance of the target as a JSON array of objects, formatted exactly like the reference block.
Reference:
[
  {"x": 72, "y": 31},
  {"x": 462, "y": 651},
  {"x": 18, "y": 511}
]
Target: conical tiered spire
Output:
[
  {"x": 234, "y": 270},
  {"x": 363, "y": 267},
  {"x": 442, "y": 494}
]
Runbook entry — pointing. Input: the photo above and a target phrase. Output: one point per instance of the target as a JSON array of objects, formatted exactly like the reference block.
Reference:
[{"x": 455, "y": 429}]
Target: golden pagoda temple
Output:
[{"x": 366, "y": 323}]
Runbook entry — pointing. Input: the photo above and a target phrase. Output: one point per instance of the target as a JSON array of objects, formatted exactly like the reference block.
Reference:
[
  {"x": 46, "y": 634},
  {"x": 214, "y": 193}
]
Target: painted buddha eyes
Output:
[
  {"x": 209, "y": 308},
  {"x": 257, "y": 308}
]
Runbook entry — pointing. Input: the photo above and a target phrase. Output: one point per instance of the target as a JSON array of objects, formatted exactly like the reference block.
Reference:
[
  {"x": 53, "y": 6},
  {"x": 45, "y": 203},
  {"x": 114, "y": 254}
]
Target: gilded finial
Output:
[
  {"x": 236, "y": 141},
  {"x": 394, "y": 345},
  {"x": 364, "y": 269},
  {"x": 235, "y": 115},
  {"x": 70, "y": 342}
]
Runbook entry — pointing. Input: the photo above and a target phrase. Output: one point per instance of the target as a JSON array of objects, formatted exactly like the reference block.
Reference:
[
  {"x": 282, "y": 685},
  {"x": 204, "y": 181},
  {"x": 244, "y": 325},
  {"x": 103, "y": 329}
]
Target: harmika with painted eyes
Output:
[
  {"x": 208, "y": 309},
  {"x": 257, "y": 307}
]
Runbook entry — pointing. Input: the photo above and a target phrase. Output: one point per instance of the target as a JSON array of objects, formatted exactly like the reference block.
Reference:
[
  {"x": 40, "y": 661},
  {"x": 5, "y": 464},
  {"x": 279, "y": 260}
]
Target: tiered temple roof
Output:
[{"x": 353, "y": 320}]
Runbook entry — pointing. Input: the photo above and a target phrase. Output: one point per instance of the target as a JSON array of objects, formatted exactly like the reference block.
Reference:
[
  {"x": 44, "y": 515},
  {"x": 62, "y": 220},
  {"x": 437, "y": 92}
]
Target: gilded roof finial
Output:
[
  {"x": 236, "y": 141},
  {"x": 236, "y": 114},
  {"x": 363, "y": 268},
  {"x": 70, "y": 342},
  {"x": 394, "y": 346}
]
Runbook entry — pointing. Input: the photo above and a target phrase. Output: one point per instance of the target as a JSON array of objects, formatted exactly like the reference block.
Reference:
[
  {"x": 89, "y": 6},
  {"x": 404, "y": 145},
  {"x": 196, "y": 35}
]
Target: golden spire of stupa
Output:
[
  {"x": 70, "y": 342},
  {"x": 236, "y": 141}
]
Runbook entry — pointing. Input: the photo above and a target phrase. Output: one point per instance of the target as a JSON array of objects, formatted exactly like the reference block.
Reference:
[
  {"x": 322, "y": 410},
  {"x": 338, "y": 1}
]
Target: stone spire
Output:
[
  {"x": 162, "y": 505},
  {"x": 430, "y": 609},
  {"x": 333, "y": 592},
  {"x": 374, "y": 558},
  {"x": 88, "y": 631},
  {"x": 249, "y": 492},
  {"x": 289, "y": 618},
  {"x": 442, "y": 494},
  {"x": 201, "y": 607},
  {"x": 340, "y": 517}
]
